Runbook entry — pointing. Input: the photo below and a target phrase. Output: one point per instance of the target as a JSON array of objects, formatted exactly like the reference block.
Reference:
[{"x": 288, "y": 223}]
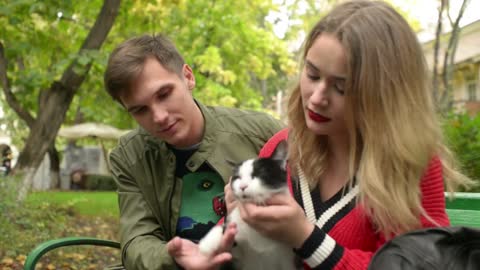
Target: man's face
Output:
[{"x": 161, "y": 102}]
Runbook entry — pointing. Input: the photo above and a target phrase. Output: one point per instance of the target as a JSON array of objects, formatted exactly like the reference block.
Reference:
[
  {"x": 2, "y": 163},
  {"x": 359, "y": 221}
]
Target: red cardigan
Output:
[{"x": 344, "y": 238}]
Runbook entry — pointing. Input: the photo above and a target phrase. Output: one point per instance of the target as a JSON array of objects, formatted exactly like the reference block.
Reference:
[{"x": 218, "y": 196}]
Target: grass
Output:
[
  {"x": 50, "y": 215},
  {"x": 85, "y": 203}
]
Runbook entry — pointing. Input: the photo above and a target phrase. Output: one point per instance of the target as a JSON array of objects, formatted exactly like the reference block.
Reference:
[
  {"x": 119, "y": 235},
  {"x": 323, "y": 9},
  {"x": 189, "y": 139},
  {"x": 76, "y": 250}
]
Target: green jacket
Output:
[{"x": 148, "y": 191}]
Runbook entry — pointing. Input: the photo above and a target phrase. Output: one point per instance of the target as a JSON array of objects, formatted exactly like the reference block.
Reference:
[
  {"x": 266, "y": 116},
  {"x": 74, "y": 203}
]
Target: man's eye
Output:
[
  {"x": 164, "y": 94},
  {"x": 313, "y": 77},
  {"x": 138, "y": 111}
]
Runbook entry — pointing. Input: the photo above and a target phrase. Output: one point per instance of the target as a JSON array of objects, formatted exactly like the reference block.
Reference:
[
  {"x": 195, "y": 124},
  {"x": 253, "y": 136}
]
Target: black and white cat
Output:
[{"x": 255, "y": 180}]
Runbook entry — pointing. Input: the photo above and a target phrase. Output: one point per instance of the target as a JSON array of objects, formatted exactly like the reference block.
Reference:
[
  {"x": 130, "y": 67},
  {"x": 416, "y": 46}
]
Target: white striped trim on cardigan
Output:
[
  {"x": 322, "y": 252},
  {"x": 307, "y": 199},
  {"x": 330, "y": 212}
]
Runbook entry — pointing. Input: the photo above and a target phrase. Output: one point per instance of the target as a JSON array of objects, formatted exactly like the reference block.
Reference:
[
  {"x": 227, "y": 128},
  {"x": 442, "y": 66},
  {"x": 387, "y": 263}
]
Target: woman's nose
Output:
[{"x": 320, "y": 96}]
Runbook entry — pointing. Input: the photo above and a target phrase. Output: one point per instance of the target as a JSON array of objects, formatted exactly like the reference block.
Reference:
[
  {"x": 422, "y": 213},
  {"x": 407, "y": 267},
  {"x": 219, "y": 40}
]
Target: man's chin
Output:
[{"x": 175, "y": 141}]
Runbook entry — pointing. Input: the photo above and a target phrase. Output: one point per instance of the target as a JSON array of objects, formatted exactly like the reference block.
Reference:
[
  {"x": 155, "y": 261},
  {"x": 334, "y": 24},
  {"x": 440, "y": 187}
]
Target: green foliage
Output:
[
  {"x": 237, "y": 60},
  {"x": 8, "y": 190},
  {"x": 20, "y": 222},
  {"x": 463, "y": 134},
  {"x": 228, "y": 47},
  {"x": 45, "y": 216},
  {"x": 41, "y": 40}
]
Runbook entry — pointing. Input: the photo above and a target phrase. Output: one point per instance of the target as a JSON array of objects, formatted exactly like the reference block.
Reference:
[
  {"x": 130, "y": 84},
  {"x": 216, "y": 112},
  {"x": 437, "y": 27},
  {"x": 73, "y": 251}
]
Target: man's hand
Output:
[{"x": 187, "y": 255}]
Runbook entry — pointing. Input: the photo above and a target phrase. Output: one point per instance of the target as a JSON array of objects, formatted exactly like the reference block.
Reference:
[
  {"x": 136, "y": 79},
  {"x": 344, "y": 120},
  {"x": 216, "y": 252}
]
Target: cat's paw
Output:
[{"x": 211, "y": 242}]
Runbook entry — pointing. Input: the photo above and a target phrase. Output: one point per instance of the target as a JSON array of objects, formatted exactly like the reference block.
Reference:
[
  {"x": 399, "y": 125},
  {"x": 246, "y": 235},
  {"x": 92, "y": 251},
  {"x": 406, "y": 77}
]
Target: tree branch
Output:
[
  {"x": 9, "y": 96},
  {"x": 438, "y": 34},
  {"x": 448, "y": 13},
  {"x": 449, "y": 60},
  {"x": 94, "y": 40}
]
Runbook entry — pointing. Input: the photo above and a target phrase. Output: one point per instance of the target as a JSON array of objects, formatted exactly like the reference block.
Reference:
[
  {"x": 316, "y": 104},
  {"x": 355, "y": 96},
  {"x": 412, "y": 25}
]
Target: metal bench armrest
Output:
[{"x": 47, "y": 246}]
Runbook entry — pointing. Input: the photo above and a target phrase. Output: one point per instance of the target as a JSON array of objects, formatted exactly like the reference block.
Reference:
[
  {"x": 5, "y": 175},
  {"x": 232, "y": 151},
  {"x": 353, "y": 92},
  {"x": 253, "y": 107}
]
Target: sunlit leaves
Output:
[{"x": 229, "y": 45}]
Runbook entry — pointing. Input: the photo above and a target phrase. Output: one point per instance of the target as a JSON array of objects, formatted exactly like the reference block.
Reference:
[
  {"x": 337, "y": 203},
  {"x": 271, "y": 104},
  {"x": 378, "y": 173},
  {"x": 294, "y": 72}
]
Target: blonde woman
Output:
[
  {"x": 366, "y": 155},
  {"x": 367, "y": 160}
]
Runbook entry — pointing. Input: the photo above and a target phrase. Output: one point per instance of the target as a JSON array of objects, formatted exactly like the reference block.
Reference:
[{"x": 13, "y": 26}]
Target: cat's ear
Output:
[{"x": 280, "y": 153}]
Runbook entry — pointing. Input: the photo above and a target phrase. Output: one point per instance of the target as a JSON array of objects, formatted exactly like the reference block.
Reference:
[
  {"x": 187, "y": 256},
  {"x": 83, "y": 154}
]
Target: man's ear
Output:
[{"x": 188, "y": 75}]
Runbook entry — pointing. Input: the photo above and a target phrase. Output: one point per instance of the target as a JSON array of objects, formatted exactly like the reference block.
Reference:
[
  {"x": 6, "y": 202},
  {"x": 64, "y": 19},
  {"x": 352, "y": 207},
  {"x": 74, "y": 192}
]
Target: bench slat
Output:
[{"x": 460, "y": 217}]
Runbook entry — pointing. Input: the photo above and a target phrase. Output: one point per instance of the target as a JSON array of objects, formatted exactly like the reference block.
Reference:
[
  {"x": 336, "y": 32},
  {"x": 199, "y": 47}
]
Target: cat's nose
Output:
[{"x": 243, "y": 187}]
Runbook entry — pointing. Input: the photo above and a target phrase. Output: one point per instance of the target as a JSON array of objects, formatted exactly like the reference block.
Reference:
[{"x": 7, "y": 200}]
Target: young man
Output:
[{"x": 171, "y": 170}]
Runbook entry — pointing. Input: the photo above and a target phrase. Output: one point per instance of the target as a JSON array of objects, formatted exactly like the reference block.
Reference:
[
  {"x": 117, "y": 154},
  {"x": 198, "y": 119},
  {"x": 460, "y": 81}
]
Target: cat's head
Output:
[{"x": 256, "y": 180}]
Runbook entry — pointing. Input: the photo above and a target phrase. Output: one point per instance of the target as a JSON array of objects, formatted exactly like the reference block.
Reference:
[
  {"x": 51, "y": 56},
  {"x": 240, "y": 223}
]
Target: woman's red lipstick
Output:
[{"x": 317, "y": 117}]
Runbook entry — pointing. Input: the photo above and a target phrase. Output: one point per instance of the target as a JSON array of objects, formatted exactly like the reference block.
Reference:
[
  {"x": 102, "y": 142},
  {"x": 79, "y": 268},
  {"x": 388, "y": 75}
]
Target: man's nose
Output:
[{"x": 160, "y": 115}]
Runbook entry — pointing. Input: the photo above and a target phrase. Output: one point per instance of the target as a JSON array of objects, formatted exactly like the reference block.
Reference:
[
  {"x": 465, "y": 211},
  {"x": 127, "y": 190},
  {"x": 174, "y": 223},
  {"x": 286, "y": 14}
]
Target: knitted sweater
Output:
[{"x": 344, "y": 237}]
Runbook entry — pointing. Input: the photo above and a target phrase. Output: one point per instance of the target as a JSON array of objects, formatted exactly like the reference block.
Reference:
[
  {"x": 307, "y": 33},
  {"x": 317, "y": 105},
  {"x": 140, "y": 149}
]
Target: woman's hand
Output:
[
  {"x": 229, "y": 197},
  {"x": 282, "y": 219},
  {"x": 187, "y": 255}
]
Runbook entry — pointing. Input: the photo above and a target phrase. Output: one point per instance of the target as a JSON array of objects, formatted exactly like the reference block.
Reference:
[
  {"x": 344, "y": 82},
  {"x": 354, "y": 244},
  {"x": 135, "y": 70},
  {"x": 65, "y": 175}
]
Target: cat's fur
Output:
[{"x": 255, "y": 180}]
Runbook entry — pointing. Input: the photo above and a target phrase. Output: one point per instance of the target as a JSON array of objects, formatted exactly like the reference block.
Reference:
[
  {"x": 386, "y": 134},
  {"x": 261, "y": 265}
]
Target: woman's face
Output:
[{"x": 322, "y": 86}]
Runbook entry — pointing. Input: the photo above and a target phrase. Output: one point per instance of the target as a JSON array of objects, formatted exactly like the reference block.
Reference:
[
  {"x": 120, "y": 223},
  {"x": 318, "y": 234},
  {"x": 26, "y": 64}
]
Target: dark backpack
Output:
[{"x": 431, "y": 249}]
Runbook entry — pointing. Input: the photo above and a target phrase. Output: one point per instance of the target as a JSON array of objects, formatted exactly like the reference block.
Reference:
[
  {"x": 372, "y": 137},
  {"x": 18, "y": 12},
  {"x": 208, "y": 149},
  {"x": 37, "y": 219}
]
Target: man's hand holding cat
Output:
[
  {"x": 187, "y": 254},
  {"x": 282, "y": 219}
]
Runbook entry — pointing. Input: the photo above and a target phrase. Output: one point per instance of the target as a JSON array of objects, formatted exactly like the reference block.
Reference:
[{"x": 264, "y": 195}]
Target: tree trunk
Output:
[
  {"x": 54, "y": 167},
  {"x": 438, "y": 35},
  {"x": 44, "y": 129},
  {"x": 449, "y": 60}
]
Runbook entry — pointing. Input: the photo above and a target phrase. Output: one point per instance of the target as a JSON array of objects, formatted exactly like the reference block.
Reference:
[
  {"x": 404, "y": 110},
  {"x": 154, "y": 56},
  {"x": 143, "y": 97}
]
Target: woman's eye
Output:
[
  {"x": 313, "y": 77},
  {"x": 340, "y": 87}
]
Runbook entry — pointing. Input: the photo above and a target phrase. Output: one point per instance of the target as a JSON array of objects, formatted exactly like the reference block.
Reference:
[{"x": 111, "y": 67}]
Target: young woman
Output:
[
  {"x": 366, "y": 155},
  {"x": 367, "y": 160}
]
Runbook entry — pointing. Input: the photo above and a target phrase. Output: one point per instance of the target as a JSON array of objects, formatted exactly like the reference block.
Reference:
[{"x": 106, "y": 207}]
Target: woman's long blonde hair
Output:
[{"x": 393, "y": 128}]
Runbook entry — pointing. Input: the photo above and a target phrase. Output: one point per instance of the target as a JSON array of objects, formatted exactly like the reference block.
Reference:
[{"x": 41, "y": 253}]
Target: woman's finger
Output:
[
  {"x": 279, "y": 199},
  {"x": 228, "y": 193}
]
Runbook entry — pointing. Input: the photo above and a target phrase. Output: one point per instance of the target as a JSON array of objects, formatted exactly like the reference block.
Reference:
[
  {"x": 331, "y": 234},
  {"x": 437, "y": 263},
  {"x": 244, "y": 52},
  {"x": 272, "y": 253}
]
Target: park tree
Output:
[
  {"x": 236, "y": 58},
  {"x": 230, "y": 46},
  {"x": 232, "y": 49},
  {"x": 54, "y": 54},
  {"x": 43, "y": 62},
  {"x": 444, "y": 61}
]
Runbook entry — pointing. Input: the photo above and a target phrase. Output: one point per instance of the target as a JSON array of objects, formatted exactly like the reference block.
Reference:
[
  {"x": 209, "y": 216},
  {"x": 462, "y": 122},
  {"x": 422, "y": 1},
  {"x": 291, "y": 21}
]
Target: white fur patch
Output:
[
  {"x": 253, "y": 250},
  {"x": 211, "y": 242},
  {"x": 248, "y": 188}
]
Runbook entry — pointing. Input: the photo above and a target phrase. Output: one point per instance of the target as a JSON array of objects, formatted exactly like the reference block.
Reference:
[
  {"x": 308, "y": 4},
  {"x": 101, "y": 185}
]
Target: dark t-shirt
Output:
[{"x": 199, "y": 189}]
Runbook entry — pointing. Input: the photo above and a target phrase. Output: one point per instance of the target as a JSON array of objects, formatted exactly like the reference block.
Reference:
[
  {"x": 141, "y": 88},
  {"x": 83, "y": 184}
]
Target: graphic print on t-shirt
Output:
[{"x": 197, "y": 216}]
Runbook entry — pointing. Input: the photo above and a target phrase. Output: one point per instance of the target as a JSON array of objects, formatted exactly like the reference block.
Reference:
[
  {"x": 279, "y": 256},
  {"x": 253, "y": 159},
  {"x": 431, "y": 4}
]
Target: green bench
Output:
[{"x": 463, "y": 210}]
